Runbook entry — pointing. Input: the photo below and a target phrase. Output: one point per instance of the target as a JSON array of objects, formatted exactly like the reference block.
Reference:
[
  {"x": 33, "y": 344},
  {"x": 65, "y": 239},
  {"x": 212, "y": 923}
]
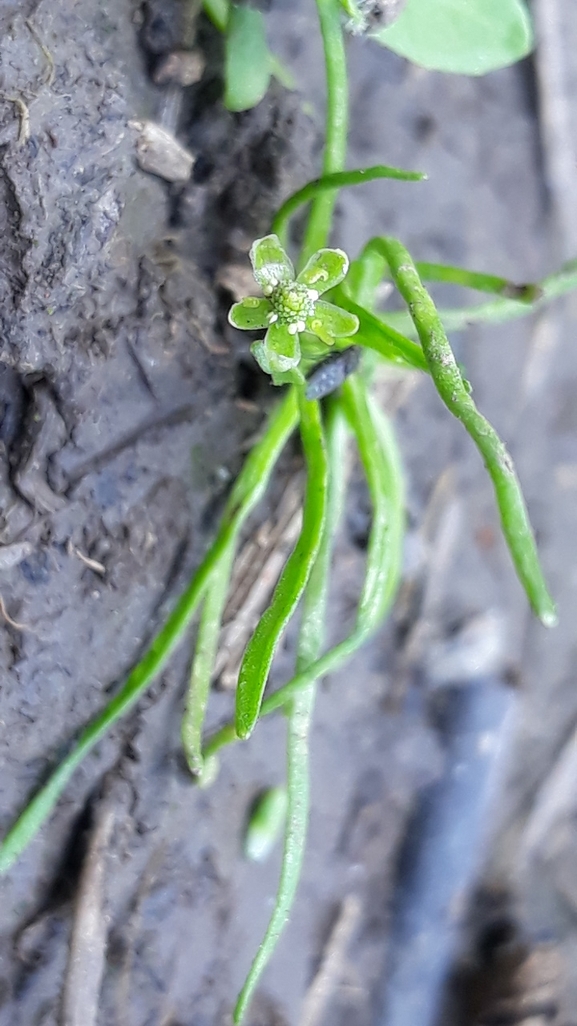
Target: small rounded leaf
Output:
[
  {"x": 251, "y": 314},
  {"x": 325, "y": 269},
  {"x": 469, "y": 38},
  {"x": 270, "y": 263},
  {"x": 329, "y": 322},
  {"x": 265, "y": 824},
  {"x": 247, "y": 58}
]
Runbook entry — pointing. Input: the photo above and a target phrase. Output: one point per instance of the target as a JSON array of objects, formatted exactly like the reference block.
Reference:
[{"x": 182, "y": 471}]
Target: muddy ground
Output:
[{"x": 126, "y": 406}]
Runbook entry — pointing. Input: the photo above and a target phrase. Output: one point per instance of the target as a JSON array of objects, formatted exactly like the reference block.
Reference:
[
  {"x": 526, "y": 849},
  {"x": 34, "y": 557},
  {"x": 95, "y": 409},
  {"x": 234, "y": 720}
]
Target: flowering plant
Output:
[{"x": 292, "y": 306}]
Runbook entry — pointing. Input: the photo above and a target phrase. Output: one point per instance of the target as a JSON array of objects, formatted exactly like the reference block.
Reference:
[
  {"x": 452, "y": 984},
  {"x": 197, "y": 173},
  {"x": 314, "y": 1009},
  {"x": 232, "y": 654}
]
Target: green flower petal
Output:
[
  {"x": 325, "y": 269},
  {"x": 259, "y": 351},
  {"x": 270, "y": 263},
  {"x": 251, "y": 314},
  {"x": 329, "y": 322},
  {"x": 282, "y": 347}
]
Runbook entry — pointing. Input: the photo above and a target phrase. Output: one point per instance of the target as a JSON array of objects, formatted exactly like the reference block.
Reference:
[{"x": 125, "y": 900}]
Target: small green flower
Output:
[{"x": 292, "y": 305}]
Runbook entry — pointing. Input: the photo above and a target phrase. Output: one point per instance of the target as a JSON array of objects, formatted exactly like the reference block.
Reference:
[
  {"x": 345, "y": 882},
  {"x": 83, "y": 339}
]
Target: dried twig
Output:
[
  {"x": 330, "y": 971},
  {"x": 23, "y": 115},
  {"x": 13, "y": 623},
  {"x": 88, "y": 942},
  {"x": 46, "y": 52}
]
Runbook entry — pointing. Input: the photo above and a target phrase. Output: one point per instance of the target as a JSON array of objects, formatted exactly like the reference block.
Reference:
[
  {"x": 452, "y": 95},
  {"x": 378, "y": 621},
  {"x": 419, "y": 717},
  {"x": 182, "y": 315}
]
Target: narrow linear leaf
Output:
[
  {"x": 481, "y": 282},
  {"x": 496, "y": 311},
  {"x": 451, "y": 387},
  {"x": 332, "y": 182},
  {"x": 294, "y": 846},
  {"x": 260, "y": 650}
]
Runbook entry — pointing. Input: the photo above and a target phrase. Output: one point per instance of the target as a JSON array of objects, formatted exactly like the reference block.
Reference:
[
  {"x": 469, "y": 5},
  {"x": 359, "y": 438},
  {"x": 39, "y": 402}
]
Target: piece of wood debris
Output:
[
  {"x": 531, "y": 994},
  {"x": 23, "y": 116},
  {"x": 87, "y": 956},
  {"x": 159, "y": 153},
  {"x": 333, "y": 962},
  {"x": 45, "y": 52},
  {"x": 92, "y": 564},
  {"x": 12, "y": 623}
]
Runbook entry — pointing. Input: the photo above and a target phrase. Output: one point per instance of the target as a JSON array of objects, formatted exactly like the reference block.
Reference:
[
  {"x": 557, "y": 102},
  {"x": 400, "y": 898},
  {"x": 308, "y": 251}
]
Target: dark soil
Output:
[{"x": 126, "y": 405}]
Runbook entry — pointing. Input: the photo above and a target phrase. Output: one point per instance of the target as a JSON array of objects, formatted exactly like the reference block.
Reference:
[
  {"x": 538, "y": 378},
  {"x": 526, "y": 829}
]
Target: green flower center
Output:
[{"x": 293, "y": 303}]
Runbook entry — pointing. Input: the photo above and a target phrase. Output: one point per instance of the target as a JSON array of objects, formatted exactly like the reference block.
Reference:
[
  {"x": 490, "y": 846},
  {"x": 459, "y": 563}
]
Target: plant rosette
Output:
[{"x": 291, "y": 306}]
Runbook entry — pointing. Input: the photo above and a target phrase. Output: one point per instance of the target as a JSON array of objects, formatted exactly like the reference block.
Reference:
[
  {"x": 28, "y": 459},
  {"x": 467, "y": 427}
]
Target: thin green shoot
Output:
[
  {"x": 369, "y": 269},
  {"x": 329, "y": 183},
  {"x": 301, "y": 708},
  {"x": 260, "y": 650},
  {"x": 336, "y": 126},
  {"x": 496, "y": 311},
  {"x": 481, "y": 282}
]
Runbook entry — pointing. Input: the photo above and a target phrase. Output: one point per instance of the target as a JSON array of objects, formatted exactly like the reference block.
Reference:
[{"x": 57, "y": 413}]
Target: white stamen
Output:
[
  {"x": 314, "y": 295},
  {"x": 268, "y": 290},
  {"x": 300, "y": 326},
  {"x": 272, "y": 317},
  {"x": 293, "y": 328}
]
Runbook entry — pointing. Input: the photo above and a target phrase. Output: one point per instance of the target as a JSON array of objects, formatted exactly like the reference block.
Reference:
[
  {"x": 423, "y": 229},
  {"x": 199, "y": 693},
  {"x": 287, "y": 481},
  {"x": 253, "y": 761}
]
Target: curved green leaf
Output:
[
  {"x": 467, "y": 37},
  {"x": 260, "y": 650}
]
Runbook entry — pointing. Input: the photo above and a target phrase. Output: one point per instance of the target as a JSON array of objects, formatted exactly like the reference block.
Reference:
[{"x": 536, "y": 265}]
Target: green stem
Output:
[
  {"x": 300, "y": 714},
  {"x": 319, "y": 222},
  {"x": 451, "y": 387},
  {"x": 246, "y": 493}
]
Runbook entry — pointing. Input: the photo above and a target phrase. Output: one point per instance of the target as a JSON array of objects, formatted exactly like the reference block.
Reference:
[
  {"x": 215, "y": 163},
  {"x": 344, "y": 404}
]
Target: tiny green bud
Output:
[{"x": 265, "y": 824}]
